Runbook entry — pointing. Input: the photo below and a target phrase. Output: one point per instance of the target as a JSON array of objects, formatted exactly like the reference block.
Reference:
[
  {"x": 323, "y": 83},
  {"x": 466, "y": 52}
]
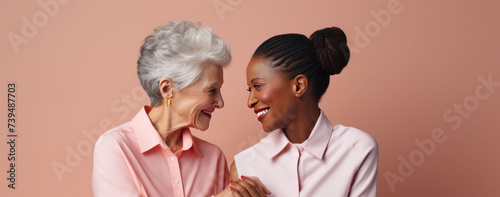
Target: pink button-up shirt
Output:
[
  {"x": 335, "y": 161},
  {"x": 133, "y": 160}
]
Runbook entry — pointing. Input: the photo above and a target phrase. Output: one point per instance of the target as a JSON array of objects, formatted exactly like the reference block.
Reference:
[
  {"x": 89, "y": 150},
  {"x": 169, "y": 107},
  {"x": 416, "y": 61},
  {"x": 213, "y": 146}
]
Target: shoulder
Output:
[
  {"x": 203, "y": 144},
  {"x": 207, "y": 148},
  {"x": 114, "y": 137},
  {"x": 249, "y": 160},
  {"x": 256, "y": 151},
  {"x": 114, "y": 146},
  {"x": 353, "y": 137}
]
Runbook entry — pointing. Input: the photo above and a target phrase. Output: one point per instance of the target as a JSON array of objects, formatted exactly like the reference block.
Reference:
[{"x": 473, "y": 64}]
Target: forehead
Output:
[
  {"x": 259, "y": 65},
  {"x": 212, "y": 75}
]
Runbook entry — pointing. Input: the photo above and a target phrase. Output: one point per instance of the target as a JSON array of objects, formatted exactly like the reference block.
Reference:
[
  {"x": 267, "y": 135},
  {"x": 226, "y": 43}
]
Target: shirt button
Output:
[
  {"x": 172, "y": 158},
  {"x": 176, "y": 180}
]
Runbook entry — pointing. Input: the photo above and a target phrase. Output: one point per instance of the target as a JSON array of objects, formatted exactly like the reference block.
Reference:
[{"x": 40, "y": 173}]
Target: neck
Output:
[
  {"x": 301, "y": 127},
  {"x": 166, "y": 125}
]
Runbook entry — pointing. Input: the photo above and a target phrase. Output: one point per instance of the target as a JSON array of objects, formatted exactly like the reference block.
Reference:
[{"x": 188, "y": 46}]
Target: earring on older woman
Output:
[{"x": 168, "y": 102}]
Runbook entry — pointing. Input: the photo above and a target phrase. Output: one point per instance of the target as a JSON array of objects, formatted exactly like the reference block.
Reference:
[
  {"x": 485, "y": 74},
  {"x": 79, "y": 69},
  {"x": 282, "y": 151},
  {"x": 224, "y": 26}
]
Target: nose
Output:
[
  {"x": 251, "y": 100},
  {"x": 219, "y": 101}
]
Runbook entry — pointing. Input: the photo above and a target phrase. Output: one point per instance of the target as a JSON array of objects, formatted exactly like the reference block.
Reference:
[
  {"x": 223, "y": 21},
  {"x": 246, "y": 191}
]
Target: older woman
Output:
[
  {"x": 304, "y": 154},
  {"x": 155, "y": 154}
]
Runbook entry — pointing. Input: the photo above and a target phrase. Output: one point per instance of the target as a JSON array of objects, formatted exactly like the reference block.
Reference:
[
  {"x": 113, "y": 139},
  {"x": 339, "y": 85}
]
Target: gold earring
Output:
[{"x": 168, "y": 102}]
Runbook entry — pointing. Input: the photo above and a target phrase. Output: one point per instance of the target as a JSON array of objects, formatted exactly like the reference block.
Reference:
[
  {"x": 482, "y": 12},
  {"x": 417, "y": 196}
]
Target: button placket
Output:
[
  {"x": 300, "y": 149},
  {"x": 174, "y": 172},
  {"x": 296, "y": 157}
]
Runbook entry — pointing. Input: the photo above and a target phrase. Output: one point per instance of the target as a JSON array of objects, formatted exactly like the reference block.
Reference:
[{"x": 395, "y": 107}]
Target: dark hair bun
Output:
[{"x": 331, "y": 49}]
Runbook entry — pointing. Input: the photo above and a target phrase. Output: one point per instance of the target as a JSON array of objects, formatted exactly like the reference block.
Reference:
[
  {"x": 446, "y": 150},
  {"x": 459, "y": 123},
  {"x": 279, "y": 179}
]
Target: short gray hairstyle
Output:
[{"x": 179, "y": 51}]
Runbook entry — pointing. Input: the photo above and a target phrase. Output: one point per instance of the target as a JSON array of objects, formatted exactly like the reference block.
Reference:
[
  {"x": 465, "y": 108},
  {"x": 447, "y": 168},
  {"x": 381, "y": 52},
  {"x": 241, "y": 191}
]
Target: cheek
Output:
[
  {"x": 201, "y": 103},
  {"x": 191, "y": 105},
  {"x": 278, "y": 99},
  {"x": 269, "y": 94}
]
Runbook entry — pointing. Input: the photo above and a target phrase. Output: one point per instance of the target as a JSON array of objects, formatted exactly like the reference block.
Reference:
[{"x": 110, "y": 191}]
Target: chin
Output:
[
  {"x": 203, "y": 127},
  {"x": 268, "y": 129},
  {"x": 201, "y": 124},
  {"x": 270, "y": 125}
]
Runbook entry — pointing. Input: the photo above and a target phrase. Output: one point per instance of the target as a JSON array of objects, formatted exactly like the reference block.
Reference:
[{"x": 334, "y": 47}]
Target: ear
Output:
[
  {"x": 300, "y": 84},
  {"x": 166, "y": 88}
]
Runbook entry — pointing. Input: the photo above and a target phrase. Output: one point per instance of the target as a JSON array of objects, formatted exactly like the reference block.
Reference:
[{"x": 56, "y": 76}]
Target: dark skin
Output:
[
  {"x": 291, "y": 103},
  {"x": 290, "y": 106}
]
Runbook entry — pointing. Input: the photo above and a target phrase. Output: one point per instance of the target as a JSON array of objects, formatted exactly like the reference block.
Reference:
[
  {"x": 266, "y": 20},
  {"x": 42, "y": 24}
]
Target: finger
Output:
[
  {"x": 240, "y": 189},
  {"x": 252, "y": 187},
  {"x": 235, "y": 192},
  {"x": 262, "y": 186}
]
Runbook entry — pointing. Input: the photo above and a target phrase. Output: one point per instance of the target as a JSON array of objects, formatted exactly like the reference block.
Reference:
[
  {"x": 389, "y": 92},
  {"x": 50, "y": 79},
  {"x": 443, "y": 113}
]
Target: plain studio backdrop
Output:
[{"x": 423, "y": 79}]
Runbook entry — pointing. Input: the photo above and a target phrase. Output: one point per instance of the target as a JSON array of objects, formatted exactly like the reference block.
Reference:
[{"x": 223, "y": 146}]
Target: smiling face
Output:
[
  {"x": 271, "y": 94},
  {"x": 195, "y": 103}
]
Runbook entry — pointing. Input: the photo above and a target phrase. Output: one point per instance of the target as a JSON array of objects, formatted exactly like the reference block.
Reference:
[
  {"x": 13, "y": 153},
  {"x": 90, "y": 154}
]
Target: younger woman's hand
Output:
[{"x": 248, "y": 186}]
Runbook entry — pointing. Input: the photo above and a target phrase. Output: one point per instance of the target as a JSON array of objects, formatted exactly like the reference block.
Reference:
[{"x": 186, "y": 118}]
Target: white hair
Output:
[{"x": 179, "y": 51}]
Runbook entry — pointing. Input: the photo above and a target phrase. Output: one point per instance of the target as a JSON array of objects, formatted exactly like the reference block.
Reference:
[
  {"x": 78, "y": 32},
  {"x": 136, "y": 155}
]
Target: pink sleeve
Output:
[
  {"x": 112, "y": 174},
  {"x": 365, "y": 179},
  {"x": 223, "y": 173}
]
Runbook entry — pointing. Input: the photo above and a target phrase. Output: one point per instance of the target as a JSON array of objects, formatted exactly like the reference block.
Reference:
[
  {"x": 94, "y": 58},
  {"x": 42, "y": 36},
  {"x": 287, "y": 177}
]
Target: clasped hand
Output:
[{"x": 245, "y": 187}]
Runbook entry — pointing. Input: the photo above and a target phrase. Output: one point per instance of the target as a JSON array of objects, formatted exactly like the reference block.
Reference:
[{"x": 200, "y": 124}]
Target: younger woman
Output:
[{"x": 304, "y": 154}]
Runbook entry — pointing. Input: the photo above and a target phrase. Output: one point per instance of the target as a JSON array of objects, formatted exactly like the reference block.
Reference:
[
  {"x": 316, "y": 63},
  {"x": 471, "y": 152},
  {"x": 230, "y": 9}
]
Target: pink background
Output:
[{"x": 413, "y": 65}]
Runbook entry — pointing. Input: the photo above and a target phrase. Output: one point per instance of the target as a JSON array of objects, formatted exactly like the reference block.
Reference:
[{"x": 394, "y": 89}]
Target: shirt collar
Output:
[
  {"x": 320, "y": 136},
  {"x": 188, "y": 142},
  {"x": 148, "y": 137},
  {"x": 277, "y": 141},
  {"x": 316, "y": 144}
]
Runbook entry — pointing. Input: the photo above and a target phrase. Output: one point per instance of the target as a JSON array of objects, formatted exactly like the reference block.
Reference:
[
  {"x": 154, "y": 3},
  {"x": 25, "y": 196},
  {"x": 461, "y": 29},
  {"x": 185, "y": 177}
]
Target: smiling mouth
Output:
[
  {"x": 207, "y": 113},
  {"x": 262, "y": 113}
]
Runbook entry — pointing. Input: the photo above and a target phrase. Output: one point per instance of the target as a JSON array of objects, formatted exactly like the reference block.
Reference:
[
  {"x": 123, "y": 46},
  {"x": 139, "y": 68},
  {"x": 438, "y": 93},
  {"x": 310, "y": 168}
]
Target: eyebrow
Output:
[
  {"x": 212, "y": 85},
  {"x": 251, "y": 81}
]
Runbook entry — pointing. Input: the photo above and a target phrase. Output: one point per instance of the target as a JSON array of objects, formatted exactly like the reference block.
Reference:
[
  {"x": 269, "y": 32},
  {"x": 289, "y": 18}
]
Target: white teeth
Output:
[
  {"x": 205, "y": 112},
  {"x": 262, "y": 112}
]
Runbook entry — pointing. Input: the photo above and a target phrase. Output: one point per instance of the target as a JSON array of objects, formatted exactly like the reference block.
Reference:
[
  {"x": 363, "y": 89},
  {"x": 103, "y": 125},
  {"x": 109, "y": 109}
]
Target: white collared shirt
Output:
[{"x": 335, "y": 161}]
